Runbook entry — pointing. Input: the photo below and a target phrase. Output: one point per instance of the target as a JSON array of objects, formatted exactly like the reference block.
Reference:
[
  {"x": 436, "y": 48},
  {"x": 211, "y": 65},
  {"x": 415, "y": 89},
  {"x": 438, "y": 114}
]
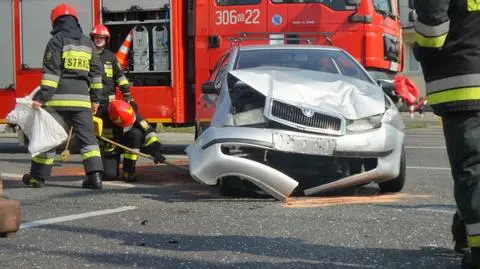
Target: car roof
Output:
[{"x": 287, "y": 46}]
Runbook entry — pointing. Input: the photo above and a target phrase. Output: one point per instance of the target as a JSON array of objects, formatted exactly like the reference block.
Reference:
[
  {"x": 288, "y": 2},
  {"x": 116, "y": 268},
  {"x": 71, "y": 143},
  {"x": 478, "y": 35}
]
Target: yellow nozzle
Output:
[{"x": 98, "y": 125}]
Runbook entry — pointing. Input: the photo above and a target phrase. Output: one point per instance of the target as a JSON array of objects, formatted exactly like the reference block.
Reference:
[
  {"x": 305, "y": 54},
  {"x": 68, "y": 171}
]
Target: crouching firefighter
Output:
[
  {"x": 70, "y": 90},
  {"x": 131, "y": 131},
  {"x": 447, "y": 45}
]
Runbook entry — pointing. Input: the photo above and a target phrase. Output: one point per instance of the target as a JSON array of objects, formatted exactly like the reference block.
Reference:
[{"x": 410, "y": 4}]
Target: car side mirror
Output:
[
  {"x": 389, "y": 88},
  {"x": 209, "y": 88},
  {"x": 412, "y": 16},
  {"x": 352, "y": 2}
]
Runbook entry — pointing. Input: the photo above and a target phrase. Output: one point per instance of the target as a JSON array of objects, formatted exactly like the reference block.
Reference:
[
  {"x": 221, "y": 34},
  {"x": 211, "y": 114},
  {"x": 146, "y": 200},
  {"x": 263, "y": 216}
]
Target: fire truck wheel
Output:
[{"x": 396, "y": 184}]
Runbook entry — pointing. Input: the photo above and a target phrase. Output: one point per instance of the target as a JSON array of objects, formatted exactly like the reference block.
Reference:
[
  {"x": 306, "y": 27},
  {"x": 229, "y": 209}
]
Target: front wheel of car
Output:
[
  {"x": 396, "y": 184},
  {"x": 231, "y": 186}
]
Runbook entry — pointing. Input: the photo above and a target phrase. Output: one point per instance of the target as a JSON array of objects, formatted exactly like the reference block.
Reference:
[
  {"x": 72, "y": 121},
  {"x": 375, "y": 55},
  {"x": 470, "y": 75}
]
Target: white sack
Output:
[{"x": 41, "y": 128}]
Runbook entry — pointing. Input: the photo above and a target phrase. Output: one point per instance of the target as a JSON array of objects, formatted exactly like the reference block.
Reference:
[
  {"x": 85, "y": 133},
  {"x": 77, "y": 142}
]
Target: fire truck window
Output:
[
  {"x": 333, "y": 4},
  {"x": 36, "y": 26},
  {"x": 6, "y": 43},
  {"x": 383, "y": 7},
  {"x": 237, "y": 2}
]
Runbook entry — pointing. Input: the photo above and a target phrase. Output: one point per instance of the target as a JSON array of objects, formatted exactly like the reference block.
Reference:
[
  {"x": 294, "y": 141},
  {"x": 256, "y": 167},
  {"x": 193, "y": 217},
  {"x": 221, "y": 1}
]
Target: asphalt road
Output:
[{"x": 168, "y": 220}]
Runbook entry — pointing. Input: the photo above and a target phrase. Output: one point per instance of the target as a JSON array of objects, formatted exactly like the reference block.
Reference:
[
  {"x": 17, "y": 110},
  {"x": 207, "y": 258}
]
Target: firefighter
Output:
[
  {"x": 113, "y": 74},
  {"x": 70, "y": 90},
  {"x": 448, "y": 48},
  {"x": 135, "y": 133}
]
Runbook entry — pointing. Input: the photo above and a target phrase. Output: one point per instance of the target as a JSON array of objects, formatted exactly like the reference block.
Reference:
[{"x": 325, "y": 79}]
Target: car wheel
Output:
[
  {"x": 231, "y": 186},
  {"x": 396, "y": 184}
]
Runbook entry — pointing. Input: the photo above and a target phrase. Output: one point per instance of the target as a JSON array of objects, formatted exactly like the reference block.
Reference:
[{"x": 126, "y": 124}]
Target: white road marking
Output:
[
  {"x": 176, "y": 156},
  {"x": 438, "y": 210},
  {"x": 422, "y": 147},
  {"x": 428, "y": 168},
  {"x": 118, "y": 184},
  {"x": 11, "y": 176},
  {"x": 38, "y": 223}
]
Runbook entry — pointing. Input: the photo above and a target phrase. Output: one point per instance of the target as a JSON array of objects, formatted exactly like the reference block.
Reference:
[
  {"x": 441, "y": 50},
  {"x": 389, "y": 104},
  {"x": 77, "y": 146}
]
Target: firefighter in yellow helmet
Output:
[
  {"x": 131, "y": 130},
  {"x": 70, "y": 90},
  {"x": 448, "y": 48}
]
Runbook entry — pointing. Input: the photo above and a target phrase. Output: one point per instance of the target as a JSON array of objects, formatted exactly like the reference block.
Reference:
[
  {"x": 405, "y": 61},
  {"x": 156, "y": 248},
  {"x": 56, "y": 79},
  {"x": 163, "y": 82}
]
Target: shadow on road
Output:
[
  {"x": 167, "y": 184},
  {"x": 235, "y": 251}
]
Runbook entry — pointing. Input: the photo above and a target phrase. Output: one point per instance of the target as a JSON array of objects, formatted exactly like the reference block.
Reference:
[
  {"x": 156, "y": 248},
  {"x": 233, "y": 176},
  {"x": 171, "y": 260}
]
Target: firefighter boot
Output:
[
  {"x": 129, "y": 177},
  {"x": 32, "y": 182},
  {"x": 93, "y": 181},
  {"x": 459, "y": 234},
  {"x": 468, "y": 261}
]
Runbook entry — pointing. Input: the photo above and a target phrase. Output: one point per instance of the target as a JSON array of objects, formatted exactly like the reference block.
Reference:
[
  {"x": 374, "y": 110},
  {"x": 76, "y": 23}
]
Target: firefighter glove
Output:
[
  {"x": 158, "y": 158},
  {"x": 155, "y": 150}
]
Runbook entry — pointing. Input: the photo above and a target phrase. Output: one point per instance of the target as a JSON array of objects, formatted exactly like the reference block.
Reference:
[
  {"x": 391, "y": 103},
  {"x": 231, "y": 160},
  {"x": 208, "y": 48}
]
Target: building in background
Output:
[{"x": 412, "y": 68}]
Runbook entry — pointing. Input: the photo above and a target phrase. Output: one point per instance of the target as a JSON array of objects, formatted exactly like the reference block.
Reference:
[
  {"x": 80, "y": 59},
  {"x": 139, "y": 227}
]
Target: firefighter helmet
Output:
[
  {"x": 121, "y": 113},
  {"x": 62, "y": 10},
  {"x": 100, "y": 30}
]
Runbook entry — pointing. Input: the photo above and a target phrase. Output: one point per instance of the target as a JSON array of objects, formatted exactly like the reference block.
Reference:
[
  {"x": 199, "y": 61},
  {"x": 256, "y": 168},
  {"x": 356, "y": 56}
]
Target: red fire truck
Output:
[{"x": 176, "y": 43}]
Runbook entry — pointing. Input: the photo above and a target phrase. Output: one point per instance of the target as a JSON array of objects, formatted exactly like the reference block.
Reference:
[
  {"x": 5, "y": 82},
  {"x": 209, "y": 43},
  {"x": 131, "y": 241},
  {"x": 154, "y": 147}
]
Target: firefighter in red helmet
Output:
[
  {"x": 70, "y": 89},
  {"x": 131, "y": 130}
]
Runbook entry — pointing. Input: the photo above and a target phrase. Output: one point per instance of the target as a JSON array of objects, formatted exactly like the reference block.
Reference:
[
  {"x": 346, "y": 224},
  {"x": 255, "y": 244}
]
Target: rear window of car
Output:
[
  {"x": 333, "y": 4},
  {"x": 329, "y": 61}
]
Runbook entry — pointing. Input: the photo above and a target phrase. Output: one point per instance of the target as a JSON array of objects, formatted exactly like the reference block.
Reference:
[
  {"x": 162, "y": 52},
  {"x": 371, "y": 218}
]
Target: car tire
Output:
[
  {"x": 231, "y": 186},
  {"x": 396, "y": 184}
]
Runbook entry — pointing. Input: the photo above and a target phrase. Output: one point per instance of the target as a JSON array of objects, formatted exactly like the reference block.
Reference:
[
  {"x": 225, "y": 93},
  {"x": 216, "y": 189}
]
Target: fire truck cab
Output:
[{"x": 370, "y": 30}]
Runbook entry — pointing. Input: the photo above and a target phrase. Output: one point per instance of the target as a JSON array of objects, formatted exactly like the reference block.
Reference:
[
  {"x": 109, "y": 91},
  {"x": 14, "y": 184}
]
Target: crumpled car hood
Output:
[{"x": 352, "y": 98}]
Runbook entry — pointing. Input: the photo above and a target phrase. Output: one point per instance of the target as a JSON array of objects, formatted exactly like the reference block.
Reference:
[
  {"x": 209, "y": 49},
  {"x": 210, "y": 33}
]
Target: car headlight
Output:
[
  {"x": 365, "y": 124},
  {"x": 250, "y": 117}
]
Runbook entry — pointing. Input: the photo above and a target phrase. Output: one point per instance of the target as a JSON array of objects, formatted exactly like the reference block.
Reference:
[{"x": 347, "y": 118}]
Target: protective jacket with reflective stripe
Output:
[
  {"x": 112, "y": 75},
  {"x": 148, "y": 131},
  {"x": 72, "y": 74},
  {"x": 447, "y": 36}
]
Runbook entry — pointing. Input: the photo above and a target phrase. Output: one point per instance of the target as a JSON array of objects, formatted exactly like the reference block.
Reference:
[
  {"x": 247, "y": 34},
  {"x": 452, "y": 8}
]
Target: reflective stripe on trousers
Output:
[
  {"x": 473, "y": 235},
  {"x": 90, "y": 151},
  {"x": 130, "y": 156}
]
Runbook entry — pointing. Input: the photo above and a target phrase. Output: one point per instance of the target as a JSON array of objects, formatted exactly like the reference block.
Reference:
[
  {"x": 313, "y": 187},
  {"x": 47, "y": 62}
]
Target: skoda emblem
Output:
[{"x": 307, "y": 112}]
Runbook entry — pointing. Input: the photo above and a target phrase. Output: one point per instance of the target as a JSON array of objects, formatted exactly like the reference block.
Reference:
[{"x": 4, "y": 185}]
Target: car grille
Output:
[{"x": 295, "y": 115}]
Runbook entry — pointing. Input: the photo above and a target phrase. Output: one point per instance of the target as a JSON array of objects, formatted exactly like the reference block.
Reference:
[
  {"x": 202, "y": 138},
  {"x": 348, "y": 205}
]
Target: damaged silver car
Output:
[{"x": 298, "y": 119}]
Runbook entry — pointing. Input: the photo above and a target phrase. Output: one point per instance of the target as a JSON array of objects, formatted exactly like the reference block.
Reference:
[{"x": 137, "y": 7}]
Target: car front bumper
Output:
[{"x": 208, "y": 162}]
